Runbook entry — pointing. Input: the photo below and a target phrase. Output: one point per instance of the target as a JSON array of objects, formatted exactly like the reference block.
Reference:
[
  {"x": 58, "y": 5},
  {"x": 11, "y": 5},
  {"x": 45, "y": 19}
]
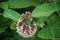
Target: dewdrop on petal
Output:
[{"x": 26, "y": 30}]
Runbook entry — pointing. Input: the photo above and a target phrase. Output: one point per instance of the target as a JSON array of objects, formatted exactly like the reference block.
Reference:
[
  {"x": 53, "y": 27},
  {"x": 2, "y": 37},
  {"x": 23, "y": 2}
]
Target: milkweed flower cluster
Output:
[{"x": 26, "y": 30}]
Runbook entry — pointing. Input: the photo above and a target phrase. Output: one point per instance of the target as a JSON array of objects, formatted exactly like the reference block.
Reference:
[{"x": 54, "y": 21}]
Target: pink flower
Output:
[{"x": 26, "y": 30}]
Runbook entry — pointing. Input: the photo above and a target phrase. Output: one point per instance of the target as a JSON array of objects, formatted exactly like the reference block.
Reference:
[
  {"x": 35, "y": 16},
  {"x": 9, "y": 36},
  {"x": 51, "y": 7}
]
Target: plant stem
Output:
[{"x": 32, "y": 37}]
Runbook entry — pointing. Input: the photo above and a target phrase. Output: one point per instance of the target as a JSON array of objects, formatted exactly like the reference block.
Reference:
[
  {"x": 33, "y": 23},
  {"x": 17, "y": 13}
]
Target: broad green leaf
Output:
[
  {"x": 52, "y": 18},
  {"x": 4, "y": 5},
  {"x": 11, "y": 14},
  {"x": 13, "y": 25},
  {"x": 51, "y": 31},
  {"x": 53, "y": 23},
  {"x": 40, "y": 21},
  {"x": 44, "y": 10},
  {"x": 57, "y": 5},
  {"x": 23, "y": 3}
]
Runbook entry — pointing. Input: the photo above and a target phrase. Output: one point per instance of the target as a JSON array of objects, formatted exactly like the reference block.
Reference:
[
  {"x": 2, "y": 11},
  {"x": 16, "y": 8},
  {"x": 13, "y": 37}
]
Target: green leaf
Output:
[
  {"x": 13, "y": 25},
  {"x": 52, "y": 18},
  {"x": 41, "y": 25},
  {"x": 44, "y": 10},
  {"x": 40, "y": 21},
  {"x": 51, "y": 31},
  {"x": 11, "y": 14},
  {"x": 4, "y": 5},
  {"x": 23, "y": 3},
  {"x": 57, "y": 5}
]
